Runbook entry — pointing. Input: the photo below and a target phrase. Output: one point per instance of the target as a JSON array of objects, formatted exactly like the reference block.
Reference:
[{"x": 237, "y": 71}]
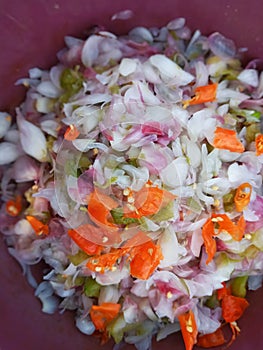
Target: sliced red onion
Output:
[
  {"x": 222, "y": 46},
  {"x": 9, "y": 152},
  {"x": 122, "y": 15}
]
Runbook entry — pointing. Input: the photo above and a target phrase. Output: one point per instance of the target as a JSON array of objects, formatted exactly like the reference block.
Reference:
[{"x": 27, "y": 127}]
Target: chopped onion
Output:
[
  {"x": 221, "y": 46},
  {"x": 122, "y": 15},
  {"x": 85, "y": 325}
]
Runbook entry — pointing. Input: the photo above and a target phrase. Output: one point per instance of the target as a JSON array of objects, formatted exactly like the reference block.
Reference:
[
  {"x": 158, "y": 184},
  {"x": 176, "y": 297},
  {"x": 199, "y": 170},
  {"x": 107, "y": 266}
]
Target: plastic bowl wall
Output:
[{"x": 31, "y": 32}]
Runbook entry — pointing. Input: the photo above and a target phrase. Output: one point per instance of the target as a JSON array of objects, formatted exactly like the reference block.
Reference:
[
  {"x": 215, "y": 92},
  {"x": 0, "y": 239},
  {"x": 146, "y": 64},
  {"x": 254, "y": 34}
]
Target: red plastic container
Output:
[{"x": 31, "y": 32}]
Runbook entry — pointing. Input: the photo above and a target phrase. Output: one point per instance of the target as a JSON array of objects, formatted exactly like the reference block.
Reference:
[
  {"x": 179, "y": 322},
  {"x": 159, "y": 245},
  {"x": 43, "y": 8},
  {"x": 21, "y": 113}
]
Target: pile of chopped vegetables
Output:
[{"x": 133, "y": 169}]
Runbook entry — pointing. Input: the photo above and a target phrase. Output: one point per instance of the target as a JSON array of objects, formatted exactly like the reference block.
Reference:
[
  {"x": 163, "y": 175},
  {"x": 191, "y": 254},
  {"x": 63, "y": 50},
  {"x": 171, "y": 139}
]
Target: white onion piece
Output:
[
  {"x": 167, "y": 330},
  {"x": 170, "y": 71},
  {"x": 145, "y": 306},
  {"x": 49, "y": 304},
  {"x": 109, "y": 294},
  {"x": 35, "y": 73},
  {"x": 23, "y": 227},
  {"x": 127, "y": 66},
  {"x": 44, "y": 289},
  {"x": 176, "y": 23},
  {"x": 60, "y": 290},
  {"x": 122, "y": 15},
  {"x": 84, "y": 145},
  {"x": 221, "y": 46},
  {"x": 90, "y": 50},
  {"x": 249, "y": 76},
  {"x": 12, "y": 135},
  {"x": 171, "y": 249},
  {"x": 9, "y": 152},
  {"x": 48, "y": 89},
  {"x": 32, "y": 138},
  {"x": 43, "y": 104},
  {"x": 5, "y": 122},
  {"x": 85, "y": 325},
  {"x": 255, "y": 282},
  {"x": 50, "y": 127},
  {"x": 141, "y": 34},
  {"x": 70, "y": 41},
  {"x": 25, "y": 169},
  {"x": 175, "y": 173}
]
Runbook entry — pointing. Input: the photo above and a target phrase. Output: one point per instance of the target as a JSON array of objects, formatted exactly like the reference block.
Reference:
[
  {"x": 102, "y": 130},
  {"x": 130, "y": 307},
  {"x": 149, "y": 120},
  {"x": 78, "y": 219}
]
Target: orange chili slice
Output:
[
  {"x": 227, "y": 139},
  {"x": 222, "y": 292},
  {"x": 203, "y": 94},
  {"x": 212, "y": 339},
  {"x": 233, "y": 307},
  {"x": 87, "y": 246},
  {"x": 223, "y": 223},
  {"x": 102, "y": 314},
  {"x": 71, "y": 133},
  {"x": 148, "y": 201},
  {"x": 259, "y": 144},
  {"x": 99, "y": 207},
  {"x": 14, "y": 207},
  {"x": 38, "y": 226},
  {"x": 188, "y": 329},
  {"x": 100, "y": 263},
  {"x": 208, "y": 233},
  {"x": 242, "y": 196},
  {"x": 146, "y": 258}
]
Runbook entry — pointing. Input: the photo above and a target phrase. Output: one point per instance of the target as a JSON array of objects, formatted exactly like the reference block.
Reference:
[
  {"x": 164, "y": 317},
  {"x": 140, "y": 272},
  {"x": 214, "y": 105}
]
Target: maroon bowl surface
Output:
[{"x": 31, "y": 33}]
